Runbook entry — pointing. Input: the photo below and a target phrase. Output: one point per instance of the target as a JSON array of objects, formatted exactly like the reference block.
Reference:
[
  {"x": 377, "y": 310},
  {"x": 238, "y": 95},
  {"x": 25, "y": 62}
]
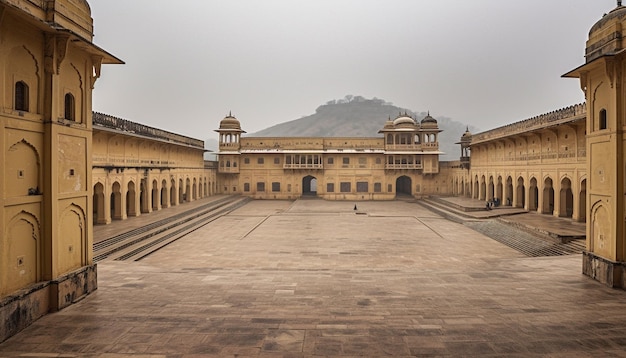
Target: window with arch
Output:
[
  {"x": 21, "y": 96},
  {"x": 70, "y": 107},
  {"x": 602, "y": 119}
]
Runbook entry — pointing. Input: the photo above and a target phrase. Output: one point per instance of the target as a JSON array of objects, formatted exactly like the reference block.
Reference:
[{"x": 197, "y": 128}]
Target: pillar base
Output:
[
  {"x": 610, "y": 273},
  {"x": 73, "y": 286}
]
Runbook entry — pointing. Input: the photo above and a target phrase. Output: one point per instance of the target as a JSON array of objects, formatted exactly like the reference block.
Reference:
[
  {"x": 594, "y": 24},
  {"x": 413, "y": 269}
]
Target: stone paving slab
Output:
[{"x": 313, "y": 278}]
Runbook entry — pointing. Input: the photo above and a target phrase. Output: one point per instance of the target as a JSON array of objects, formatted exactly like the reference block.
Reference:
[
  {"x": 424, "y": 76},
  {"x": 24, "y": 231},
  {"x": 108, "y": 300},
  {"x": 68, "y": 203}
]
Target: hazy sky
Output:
[{"x": 481, "y": 62}]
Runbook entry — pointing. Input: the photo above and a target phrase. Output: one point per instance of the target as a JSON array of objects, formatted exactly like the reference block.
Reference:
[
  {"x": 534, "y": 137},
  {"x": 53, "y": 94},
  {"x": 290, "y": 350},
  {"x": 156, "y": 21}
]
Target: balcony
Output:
[
  {"x": 434, "y": 145},
  {"x": 229, "y": 146},
  {"x": 403, "y": 147},
  {"x": 403, "y": 166},
  {"x": 303, "y": 166},
  {"x": 232, "y": 170}
]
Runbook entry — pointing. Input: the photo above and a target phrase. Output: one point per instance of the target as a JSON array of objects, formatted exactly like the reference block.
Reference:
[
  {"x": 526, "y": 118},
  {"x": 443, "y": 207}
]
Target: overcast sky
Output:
[{"x": 481, "y": 62}]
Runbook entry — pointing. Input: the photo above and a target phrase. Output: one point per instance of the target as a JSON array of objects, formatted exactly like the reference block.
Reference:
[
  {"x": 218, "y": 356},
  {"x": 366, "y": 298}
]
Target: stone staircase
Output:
[{"x": 531, "y": 241}]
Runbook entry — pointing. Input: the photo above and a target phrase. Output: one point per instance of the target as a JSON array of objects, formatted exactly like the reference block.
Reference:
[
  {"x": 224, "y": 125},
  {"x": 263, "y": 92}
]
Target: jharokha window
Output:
[
  {"x": 21, "y": 96},
  {"x": 70, "y": 107}
]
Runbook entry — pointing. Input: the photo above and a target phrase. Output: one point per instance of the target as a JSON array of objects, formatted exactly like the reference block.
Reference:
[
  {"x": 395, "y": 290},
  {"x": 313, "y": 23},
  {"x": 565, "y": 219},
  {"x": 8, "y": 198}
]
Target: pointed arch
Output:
[
  {"x": 23, "y": 169},
  {"x": 71, "y": 250},
  {"x": 23, "y": 242},
  {"x": 99, "y": 216},
  {"x": 566, "y": 198}
]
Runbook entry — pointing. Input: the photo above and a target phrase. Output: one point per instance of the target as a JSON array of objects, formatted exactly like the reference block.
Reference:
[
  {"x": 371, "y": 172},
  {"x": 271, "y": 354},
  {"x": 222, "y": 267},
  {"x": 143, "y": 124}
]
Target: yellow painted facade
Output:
[
  {"x": 538, "y": 164},
  {"x": 603, "y": 81},
  {"x": 139, "y": 169},
  {"x": 403, "y": 160},
  {"x": 65, "y": 168},
  {"x": 48, "y": 67}
]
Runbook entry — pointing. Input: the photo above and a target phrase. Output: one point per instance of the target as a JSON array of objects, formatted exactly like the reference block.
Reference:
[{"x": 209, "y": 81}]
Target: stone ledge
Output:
[
  {"x": 25, "y": 306},
  {"x": 73, "y": 286},
  {"x": 603, "y": 270},
  {"x": 20, "y": 309}
]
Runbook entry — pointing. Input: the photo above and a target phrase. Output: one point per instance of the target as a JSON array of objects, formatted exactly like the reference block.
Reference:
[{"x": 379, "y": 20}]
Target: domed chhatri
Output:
[
  {"x": 230, "y": 123},
  {"x": 467, "y": 136},
  {"x": 605, "y": 35},
  {"x": 404, "y": 120},
  {"x": 429, "y": 122}
]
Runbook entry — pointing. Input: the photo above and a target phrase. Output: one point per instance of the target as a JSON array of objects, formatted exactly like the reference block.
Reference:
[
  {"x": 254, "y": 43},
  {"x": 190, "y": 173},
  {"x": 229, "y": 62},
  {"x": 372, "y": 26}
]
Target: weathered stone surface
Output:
[{"x": 415, "y": 285}]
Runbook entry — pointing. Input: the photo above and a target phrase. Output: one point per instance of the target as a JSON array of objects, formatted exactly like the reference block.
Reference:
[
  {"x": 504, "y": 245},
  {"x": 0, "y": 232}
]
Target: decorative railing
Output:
[
  {"x": 123, "y": 125},
  {"x": 564, "y": 115},
  {"x": 404, "y": 166},
  {"x": 581, "y": 153},
  {"x": 403, "y": 147},
  {"x": 303, "y": 166}
]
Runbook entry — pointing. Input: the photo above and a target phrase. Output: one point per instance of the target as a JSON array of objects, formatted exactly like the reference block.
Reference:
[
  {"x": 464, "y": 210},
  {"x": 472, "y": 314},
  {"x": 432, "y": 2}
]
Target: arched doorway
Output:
[
  {"x": 508, "y": 200},
  {"x": 173, "y": 193},
  {"x": 98, "y": 204},
  {"x": 582, "y": 202},
  {"x": 520, "y": 201},
  {"x": 475, "y": 193},
  {"x": 143, "y": 196},
  {"x": 164, "y": 201},
  {"x": 181, "y": 192},
  {"x": 548, "y": 197},
  {"x": 187, "y": 195},
  {"x": 155, "y": 195},
  {"x": 131, "y": 207},
  {"x": 309, "y": 185},
  {"x": 534, "y": 195},
  {"x": 116, "y": 201},
  {"x": 403, "y": 186},
  {"x": 566, "y": 199},
  {"x": 490, "y": 192},
  {"x": 483, "y": 189}
]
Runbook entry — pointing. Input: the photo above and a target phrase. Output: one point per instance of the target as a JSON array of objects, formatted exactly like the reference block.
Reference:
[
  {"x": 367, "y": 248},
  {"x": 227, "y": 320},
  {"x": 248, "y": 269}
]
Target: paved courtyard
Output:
[{"x": 315, "y": 278}]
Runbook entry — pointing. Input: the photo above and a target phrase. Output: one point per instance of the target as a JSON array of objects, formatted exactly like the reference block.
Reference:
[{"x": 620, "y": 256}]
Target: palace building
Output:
[
  {"x": 139, "y": 169},
  {"x": 403, "y": 160},
  {"x": 48, "y": 68},
  {"x": 538, "y": 164},
  {"x": 603, "y": 81},
  {"x": 65, "y": 168}
]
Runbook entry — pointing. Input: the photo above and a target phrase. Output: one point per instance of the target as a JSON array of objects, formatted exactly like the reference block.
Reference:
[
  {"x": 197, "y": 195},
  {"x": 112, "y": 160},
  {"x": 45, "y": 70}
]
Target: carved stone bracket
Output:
[
  {"x": 584, "y": 76},
  {"x": 49, "y": 54},
  {"x": 54, "y": 52},
  {"x": 62, "y": 43},
  {"x": 97, "y": 68}
]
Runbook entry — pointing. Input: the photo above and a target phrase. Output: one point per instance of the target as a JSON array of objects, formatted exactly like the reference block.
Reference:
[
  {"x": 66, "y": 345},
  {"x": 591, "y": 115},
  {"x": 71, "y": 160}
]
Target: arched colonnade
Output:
[
  {"x": 561, "y": 197},
  {"x": 116, "y": 198}
]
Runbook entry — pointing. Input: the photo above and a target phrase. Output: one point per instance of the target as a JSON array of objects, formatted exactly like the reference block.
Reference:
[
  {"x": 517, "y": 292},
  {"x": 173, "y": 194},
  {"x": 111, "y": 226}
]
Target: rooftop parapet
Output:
[
  {"x": 126, "y": 126},
  {"x": 564, "y": 115}
]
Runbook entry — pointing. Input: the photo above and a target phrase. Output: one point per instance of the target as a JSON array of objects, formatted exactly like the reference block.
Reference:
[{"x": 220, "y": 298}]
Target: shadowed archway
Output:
[
  {"x": 403, "y": 186},
  {"x": 309, "y": 185}
]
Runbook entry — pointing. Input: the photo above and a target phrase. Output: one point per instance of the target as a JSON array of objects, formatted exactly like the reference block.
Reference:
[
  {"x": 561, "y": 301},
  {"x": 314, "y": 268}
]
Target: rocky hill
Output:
[{"x": 355, "y": 116}]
